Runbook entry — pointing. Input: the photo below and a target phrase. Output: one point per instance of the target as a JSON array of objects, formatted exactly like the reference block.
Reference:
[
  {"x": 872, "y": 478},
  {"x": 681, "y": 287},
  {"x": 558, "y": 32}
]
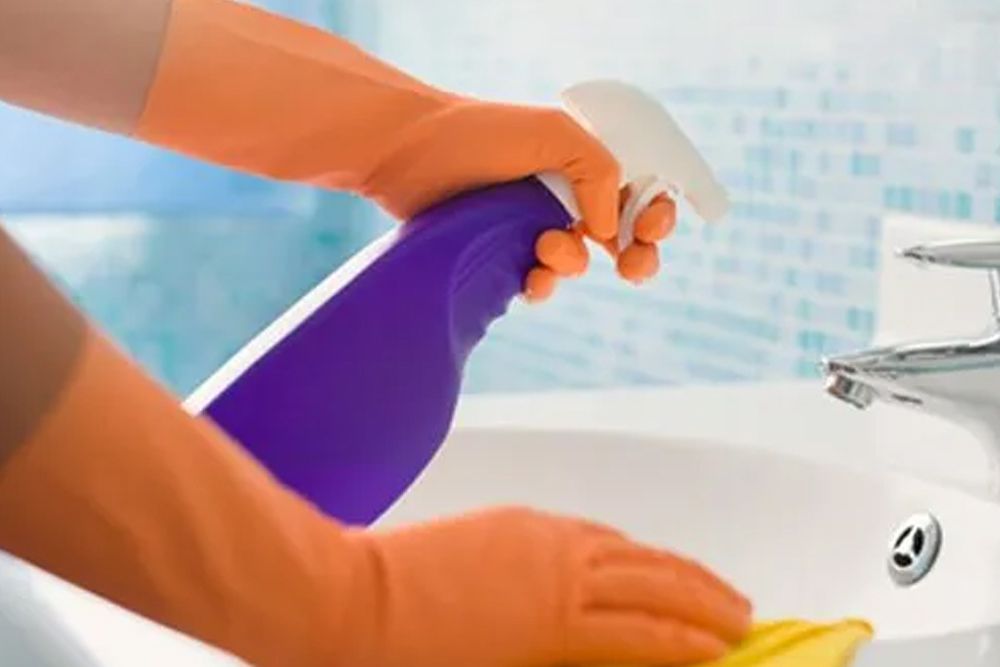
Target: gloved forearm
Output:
[
  {"x": 88, "y": 61},
  {"x": 228, "y": 83},
  {"x": 107, "y": 483},
  {"x": 40, "y": 338},
  {"x": 259, "y": 92}
]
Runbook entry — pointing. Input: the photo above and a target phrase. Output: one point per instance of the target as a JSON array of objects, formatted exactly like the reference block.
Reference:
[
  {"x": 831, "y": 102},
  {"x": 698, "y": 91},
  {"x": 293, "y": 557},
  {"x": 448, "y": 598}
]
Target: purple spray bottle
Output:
[{"x": 348, "y": 395}]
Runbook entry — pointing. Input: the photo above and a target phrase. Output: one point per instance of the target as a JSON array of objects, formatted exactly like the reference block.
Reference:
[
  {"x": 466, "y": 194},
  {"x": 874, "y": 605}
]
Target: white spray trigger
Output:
[{"x": 655, "y": 155}]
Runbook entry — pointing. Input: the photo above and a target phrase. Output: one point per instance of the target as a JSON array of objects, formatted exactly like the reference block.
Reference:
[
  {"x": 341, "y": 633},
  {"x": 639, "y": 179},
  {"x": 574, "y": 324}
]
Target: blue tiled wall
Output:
[
  {"x": 180, "y": 293},
  {"x": 820, "y": 116}
]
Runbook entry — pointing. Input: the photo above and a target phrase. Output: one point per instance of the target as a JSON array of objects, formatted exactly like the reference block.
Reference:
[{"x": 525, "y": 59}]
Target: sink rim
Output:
[
  {"x": 900, "y": 489},
  {"x": 691, "y": 443}
]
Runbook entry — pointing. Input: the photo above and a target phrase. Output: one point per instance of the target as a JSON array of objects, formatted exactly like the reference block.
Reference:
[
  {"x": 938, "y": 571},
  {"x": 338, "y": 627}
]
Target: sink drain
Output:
[{"x": 914, "y": 549}]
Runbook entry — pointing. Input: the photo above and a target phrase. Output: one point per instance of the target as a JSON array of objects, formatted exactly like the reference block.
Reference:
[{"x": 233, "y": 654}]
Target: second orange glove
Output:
[{"x": 254, "y": 91}]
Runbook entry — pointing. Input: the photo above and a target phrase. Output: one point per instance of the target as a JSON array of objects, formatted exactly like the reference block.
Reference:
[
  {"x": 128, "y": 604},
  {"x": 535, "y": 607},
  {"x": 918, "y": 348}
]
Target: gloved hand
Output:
[
  {"x": 119, "y": 491},
  {"x": 562, "y": 253},
  {"x": 518, "y": 588},
  {"x": 257, "y": 92},
  {"x": 469, "y": 143}
]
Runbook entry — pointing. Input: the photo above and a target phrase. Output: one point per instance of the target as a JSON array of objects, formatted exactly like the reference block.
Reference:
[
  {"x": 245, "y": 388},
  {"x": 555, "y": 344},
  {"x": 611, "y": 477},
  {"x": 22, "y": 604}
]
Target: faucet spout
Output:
[
  {"x": 957, "y": 379},
  {"x": 850, "y": 390}
]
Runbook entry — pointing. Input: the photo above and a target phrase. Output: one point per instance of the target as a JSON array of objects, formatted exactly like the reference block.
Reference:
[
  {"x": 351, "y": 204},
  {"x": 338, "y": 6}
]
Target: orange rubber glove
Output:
[
  {"x": 245, "y": 88},
  {"x": 119, "y": 491}
]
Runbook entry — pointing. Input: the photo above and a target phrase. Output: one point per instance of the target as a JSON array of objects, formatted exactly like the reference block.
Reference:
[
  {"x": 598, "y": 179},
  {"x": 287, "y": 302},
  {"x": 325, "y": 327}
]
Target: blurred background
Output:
[{"x": 821, "y": 116}]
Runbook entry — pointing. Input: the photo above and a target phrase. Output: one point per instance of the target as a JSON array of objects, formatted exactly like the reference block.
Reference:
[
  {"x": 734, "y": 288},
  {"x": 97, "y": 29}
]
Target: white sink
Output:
[
  {"x": 805, "y": 539},
  {"x": 45, "y": 622}
]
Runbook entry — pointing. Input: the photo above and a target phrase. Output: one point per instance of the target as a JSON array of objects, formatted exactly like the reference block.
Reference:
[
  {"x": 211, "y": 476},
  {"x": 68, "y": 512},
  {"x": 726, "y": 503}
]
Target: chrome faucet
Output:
[{"x": 955, "y": 379}]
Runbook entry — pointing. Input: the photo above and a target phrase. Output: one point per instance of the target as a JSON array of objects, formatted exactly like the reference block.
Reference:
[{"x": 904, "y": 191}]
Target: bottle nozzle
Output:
[{"x": 653, "y": 151}]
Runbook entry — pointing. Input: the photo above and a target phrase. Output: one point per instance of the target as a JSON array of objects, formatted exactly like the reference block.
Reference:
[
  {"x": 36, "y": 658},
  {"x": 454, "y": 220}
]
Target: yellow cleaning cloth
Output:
[{"x": 799, "y": 644}]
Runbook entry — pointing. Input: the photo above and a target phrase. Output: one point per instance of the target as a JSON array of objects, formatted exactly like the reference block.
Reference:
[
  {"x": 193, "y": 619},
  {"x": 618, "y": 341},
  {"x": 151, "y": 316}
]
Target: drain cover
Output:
[{"x": 915, "y": 547}]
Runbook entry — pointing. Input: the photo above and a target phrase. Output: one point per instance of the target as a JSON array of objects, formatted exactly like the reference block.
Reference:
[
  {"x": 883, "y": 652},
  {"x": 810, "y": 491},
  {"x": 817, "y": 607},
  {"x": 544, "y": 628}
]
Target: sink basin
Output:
[
  {"x": 46, "y": 622},
  {"x": 804, "y": 539}
]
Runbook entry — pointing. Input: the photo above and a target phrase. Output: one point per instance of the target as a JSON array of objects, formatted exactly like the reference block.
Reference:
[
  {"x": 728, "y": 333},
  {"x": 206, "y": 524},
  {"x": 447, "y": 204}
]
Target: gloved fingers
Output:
[
  {"x": 667, "y": 592},
  {"x": 594, "y": 175},
  {"x": 539, "y": 284},
  {"x": 631, "y": 554},
  {"x": 657, "y": 221},
  {"x": 638, "y": 262},
  {"x": 620, "y": 638},
  {"x": 563, "y": 251},
  {"x": 641, "y": 260},
  {"x": 592, "y": 171},
  {"x": 560, "y": 253}
]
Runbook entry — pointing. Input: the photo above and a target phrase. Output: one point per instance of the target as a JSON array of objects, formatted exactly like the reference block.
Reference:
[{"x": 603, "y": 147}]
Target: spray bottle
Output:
[{"x": 347, "y": 396}]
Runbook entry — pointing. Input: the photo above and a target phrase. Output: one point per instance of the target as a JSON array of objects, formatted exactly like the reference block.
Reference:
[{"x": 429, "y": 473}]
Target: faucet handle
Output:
[{"x": 984, "y": 254}]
